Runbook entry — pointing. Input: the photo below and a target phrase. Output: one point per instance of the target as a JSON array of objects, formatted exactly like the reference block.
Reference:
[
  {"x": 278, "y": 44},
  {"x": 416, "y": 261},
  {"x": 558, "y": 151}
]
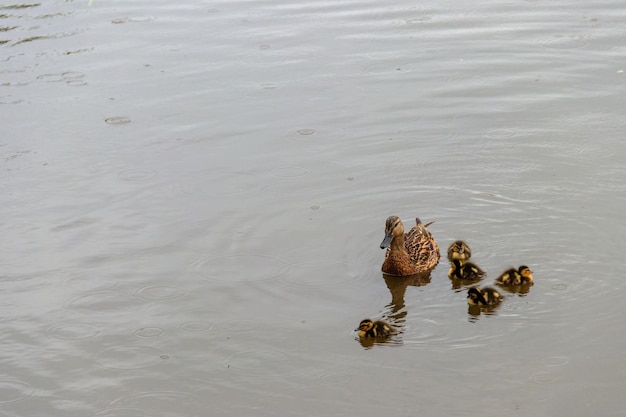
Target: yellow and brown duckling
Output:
[
  {"x": 408, "y": 253},
  {"x": 375, "y": 329},
  {"x": 466, "y": 271},
  {"x": 459, "y": 254},
  {"x": 486, "y": 296},
  {"x": 460, "y": 251},
  {"x": 519, "y": 276}
]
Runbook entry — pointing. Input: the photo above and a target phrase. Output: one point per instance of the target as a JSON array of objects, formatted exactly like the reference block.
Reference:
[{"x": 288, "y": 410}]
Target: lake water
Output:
[{"x": 194, "y": 194}]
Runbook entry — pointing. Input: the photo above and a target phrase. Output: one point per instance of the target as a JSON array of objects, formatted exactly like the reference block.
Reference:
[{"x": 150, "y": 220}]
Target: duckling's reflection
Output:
[
  {"x": 462, "y": 284},
  {"x": 474, "y": 311},
  {"x": 521, "y": 289}
]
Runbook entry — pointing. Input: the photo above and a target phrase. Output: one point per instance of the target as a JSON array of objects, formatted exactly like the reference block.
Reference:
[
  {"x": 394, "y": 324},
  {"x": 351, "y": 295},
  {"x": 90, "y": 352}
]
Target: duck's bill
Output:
[{"x": 386, "y": 241}]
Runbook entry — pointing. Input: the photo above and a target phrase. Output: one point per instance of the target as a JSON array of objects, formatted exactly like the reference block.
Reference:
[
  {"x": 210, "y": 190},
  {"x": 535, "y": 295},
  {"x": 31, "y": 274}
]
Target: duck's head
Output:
[
  {"x": 525, "y": 272},
  {"x": 459, "y": 251},
  {"x": 475, "y": 297},
  {"x": 393, "y": 228},
  {"x": 365, "y": 326}
]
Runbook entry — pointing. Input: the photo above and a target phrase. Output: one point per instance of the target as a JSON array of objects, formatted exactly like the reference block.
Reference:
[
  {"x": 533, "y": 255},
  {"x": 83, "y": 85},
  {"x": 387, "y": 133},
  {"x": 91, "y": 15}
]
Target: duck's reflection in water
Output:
[{"x": 395, "y": 312}]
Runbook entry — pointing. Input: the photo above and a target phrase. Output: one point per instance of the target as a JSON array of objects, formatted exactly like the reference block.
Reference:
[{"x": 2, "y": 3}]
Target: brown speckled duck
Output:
[
  {"x": 519, "y": 276},
  {"x": 411, "y": 253},
  {"x": 375, "y": 329},
  {"x": 483, "y": 296}
]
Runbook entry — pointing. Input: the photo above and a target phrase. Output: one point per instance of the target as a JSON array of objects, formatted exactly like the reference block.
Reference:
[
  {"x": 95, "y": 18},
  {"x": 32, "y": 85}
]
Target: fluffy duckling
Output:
[
  {"x": 466, "y": 271},
  {"x": 512, "y": 276},
  {"x": 375, "y": 329},
  {"x": 483, "y": 296},
  {"x": 459, "y": 254},
  {"x": 408, "y": 253},
  {"x": 460, "y": 251}
]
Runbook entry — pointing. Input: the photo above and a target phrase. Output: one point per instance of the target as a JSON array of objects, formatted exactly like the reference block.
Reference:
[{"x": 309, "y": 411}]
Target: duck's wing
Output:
[{"x": 421, "y": 247}]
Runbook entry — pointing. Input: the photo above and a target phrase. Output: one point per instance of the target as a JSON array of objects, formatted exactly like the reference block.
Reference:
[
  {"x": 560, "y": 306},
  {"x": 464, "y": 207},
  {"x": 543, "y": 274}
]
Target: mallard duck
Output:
[
  {"x": 410, "y": 253},
  {"x": 512, "y": 276},
  {"x": 375, "y": 329},
  {"x": 465, "y": 271},
  {"x": 483, "y": 296},
  {"x": 460, "y": 251}
]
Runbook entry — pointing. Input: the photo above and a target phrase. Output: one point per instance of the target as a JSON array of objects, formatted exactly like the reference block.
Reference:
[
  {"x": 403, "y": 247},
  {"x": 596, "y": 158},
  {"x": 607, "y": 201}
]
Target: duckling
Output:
[
  {"x": 410, "y": 253},
  {"x": 483, "y": 297},
  {"x": 459, "y": 250},
  {"x": 375, "y": 329},
  {"x": 465, "y": 271},
  {"x": 512, "y": 276}
]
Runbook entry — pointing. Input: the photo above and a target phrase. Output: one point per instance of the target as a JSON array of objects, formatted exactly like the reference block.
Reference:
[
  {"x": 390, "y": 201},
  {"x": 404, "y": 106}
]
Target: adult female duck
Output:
[{"x": 408, "y": 253}]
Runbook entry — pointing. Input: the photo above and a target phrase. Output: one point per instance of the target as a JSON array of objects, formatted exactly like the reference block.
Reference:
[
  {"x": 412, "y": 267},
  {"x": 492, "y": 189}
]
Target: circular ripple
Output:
[
  {"x": 132, "y": 20},
  {"x": 76, "y": 83},
  {"x": 568, "y": 41},
  {"x": 160, "y": 402},
  {"x": 12, "y": 390},
  {"x": 559, "y": 287},
  {"x": 335, "y": 378},
  {"x": 123, "y": 412},
  {"x": 500, "y": 133},
  {"x": 556, "y": 361},
  {"x": 262, "y": 362},
  {"x": 104, "y": 303},
  {"x": 90, "y": 282},
  {"x": 148, "y": 332},
  {"x": 306, "y": 132},
  {"x": 238, "y": 268},
  {"x": 137, "y": 175},
  {"x": 161, "y": 292},
  {"x": 117, "y": 120},
  {"x": 542, "y": 378},
  {"x": 72, "y": 75},
  {"x": 130, "y": 357},
  {"x": 241, "y": 325},
  {"x": 195, "y": 326},
  {"x": 310, "y": 274},
  {"x": 289, "y": 172},
  {"x": 73, "y": 331},
  {"x": 224, "y": 183},
  {"x": 51, "y": 78}
]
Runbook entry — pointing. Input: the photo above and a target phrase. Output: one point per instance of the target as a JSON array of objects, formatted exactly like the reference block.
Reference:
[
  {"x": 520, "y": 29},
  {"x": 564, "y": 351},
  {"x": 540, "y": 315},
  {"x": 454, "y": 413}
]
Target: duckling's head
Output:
[
  {"x": 474, "y": 296},
  {"x": 365, "y": 326},
  {"x": 525, "y": 272},
  {"x": 393, "y": 228},
  {"x": 460, "y": 251}
]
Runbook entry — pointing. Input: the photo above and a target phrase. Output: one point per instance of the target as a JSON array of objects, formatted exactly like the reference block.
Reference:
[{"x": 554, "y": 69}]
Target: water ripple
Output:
[
  {"x": 149, "y": 332},
  {"x": 130, "y": 357},
  {"x": 259, "y": 362},
  {"x": 315, "y": 274},
  {"x": 117, "y": 120},
  {"x": 123, "y": 412},
  {"x": 238, "y": 268},
  {"x": 161, "y": 292},
  {"x": 73, "y": 331},
  {"x": 13, "y": 390},
  {"x": 102, "y": 303}
]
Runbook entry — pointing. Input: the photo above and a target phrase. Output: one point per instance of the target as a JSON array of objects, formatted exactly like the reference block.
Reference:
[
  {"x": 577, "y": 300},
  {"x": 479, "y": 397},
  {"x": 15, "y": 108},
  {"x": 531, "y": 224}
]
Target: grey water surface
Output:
[{"x": 193, "y": 195}]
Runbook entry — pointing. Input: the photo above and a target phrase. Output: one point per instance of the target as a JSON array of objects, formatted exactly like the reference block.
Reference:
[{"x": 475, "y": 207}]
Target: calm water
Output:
[{"x": 193, "y": 195}]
